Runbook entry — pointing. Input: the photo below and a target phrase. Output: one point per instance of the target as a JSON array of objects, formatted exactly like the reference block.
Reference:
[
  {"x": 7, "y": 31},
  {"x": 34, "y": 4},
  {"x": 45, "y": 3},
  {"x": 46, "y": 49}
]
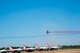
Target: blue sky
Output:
[{"x": 26, "y": 21}]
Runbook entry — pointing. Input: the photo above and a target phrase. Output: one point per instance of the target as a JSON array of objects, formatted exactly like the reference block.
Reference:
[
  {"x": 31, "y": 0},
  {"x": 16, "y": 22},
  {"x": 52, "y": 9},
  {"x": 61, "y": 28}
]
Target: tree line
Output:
[{"x": 71, "y": 47}]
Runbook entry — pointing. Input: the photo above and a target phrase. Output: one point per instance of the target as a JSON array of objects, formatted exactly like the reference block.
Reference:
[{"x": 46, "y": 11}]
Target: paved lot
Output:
[{"x": 57, "y": 51}]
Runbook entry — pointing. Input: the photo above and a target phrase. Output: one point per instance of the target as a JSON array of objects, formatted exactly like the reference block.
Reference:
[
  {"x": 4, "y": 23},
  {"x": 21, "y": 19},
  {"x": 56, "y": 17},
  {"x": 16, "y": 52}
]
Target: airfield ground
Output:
[{"x": 57, "y": 51}]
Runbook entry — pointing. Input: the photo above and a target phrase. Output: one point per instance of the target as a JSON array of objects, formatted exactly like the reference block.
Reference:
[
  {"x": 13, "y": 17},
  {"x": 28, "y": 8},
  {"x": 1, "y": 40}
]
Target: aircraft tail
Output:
[
  {"x": 36, "y": 46},
  {"x": 10, "y": 48},
  {"x": 48, "y": 46},
  {"x": 24, "y": 47}
]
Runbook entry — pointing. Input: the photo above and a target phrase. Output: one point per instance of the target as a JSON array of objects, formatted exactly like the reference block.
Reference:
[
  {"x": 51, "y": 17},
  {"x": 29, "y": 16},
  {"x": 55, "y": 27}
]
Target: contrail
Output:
[
  {"x": 23, "y": 37},
  {"x": 54, "y": 33}
]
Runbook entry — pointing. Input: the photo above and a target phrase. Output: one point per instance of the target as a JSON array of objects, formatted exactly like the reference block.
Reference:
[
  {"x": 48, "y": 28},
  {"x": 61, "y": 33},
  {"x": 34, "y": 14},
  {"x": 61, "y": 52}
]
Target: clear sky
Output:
[{"x": 26, "y": 21}]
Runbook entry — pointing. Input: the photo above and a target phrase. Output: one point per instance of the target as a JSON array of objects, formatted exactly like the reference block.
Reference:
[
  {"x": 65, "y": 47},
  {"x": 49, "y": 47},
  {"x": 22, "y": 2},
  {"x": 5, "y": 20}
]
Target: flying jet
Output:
[{"x": 47, "y": 32}]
